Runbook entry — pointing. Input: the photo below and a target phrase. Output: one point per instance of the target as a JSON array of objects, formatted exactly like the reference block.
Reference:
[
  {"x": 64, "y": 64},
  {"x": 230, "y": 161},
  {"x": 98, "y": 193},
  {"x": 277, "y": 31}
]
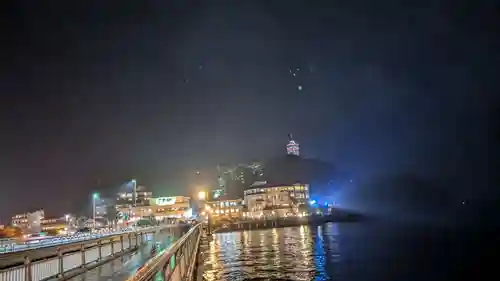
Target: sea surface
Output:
[{"x": 347, "y": 251}]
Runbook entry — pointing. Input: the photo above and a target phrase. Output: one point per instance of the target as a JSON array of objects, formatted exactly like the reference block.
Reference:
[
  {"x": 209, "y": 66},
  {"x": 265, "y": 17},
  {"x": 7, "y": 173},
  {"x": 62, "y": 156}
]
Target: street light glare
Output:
[
  {"x": 202, "y": 195},
  {"x": 95, "y": 195}
]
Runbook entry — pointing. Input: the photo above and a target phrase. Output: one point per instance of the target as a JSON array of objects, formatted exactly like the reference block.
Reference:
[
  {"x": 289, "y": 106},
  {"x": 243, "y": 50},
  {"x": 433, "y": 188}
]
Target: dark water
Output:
[{"x": 367, "y": 251}]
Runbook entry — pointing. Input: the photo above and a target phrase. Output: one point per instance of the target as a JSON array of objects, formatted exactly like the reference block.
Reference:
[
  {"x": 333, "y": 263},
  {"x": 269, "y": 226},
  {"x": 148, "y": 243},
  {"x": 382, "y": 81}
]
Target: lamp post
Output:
[
  {"x": 209, "y": 219},
  {"x": 67, "y": 222},
  {"x": 134, "y": 191},
  {"x": 95, "y": 196},
  {"x": 202, "y": 196}
]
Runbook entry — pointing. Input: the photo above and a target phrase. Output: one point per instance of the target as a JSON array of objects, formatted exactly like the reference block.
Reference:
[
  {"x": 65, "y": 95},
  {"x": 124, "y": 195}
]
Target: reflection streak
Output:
[{"x": 292, "y": 254}]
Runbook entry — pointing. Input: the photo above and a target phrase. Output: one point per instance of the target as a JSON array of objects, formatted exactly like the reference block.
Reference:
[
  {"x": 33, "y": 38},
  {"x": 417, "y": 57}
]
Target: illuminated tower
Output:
[{"x": 292, "y": 148}]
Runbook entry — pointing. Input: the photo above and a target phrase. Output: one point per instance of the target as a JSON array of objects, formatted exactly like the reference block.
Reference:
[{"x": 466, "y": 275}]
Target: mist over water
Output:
[{"x": 402, "y": 199}]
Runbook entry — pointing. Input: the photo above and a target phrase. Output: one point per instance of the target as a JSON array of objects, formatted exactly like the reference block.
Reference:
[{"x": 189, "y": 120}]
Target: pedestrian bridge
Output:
[{"x": 176, "y": 262}]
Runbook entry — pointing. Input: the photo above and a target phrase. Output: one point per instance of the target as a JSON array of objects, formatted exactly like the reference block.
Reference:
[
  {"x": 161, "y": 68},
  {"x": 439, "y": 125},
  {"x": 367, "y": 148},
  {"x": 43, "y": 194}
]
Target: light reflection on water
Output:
[{"x": 293, "y": 253}]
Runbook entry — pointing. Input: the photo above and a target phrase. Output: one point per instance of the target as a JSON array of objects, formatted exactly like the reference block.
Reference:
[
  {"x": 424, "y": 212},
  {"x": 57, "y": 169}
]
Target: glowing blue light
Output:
[{"x": 312, "y": 202}]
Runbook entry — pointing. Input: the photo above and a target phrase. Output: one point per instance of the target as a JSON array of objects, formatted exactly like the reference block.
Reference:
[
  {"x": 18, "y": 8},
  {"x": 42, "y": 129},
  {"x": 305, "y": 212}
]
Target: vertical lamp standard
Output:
[
  {"x": 134, "y": 191},
  {"x": 95, "y": 196},
  {"x": 208, "y": 211},
  {"x": 203, "y": 209},
  {"x": 202, "y": 195},
  {"x": 67, "y": 223}
]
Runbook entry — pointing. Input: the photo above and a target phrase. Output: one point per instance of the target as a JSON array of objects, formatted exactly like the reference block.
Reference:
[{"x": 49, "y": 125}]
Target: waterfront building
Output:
[
  {"x": 58, "y": 225},
  {"x": 279, "y": 200},
  {"x": 226, "y": 209},
  {"x": 160, "y": 209}
]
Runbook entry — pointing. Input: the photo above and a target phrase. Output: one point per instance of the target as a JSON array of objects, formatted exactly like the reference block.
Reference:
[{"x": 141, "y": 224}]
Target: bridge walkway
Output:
[{"x": 123, "y": 267}]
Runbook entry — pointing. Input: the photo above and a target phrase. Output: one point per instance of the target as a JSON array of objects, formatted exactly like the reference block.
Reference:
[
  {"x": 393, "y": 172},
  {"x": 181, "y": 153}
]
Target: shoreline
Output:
[{"x": 285, "y": 222}]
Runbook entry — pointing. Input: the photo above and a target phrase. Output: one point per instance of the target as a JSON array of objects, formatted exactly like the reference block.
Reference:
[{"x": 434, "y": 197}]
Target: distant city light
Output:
[{"x": 312, "y": 202}]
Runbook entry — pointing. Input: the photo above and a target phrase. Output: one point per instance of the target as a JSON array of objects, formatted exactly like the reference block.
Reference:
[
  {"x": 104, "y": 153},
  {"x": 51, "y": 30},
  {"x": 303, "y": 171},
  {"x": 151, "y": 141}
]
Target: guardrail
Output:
[
  {"x": 89, "y": 254},
  {"x": 15, "y": 247},
  {"x": 176, "y": 263}
]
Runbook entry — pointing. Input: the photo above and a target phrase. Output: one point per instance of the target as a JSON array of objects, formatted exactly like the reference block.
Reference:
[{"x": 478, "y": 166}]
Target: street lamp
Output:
[
  {"x": 67, "y": 221},
  {"x": 95, "y": 196},
  {"x": 134, "y": 191},
  {"x": 208, "y": 211}
]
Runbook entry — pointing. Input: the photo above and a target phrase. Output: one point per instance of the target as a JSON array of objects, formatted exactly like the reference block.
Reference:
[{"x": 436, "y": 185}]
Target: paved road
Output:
[
  {"x": 17, "y": 258},
  {"x": 58, "y": 241},
  {"x": 122, "y": 268}
]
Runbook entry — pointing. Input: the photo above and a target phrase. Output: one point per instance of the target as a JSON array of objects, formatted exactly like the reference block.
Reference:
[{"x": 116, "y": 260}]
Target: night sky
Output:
[{"x": 154, "y": 90}]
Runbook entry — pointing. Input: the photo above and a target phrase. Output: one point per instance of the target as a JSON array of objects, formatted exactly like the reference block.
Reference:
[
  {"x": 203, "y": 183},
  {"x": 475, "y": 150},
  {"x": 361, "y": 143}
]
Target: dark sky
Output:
[{"x": 156, "y": 89}]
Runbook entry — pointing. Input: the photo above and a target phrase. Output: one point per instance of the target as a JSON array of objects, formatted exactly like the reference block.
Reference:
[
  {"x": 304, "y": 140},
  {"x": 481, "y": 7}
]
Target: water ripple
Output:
[{"x": 291, "y": 254}]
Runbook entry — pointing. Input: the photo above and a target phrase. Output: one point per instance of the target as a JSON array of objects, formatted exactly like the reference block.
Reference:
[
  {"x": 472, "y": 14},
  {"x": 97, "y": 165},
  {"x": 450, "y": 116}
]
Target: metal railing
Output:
[
  {"x": 65, "y": 261},
  {"x": 176, "y": 263},
  {"x": 13, "y": 246}
]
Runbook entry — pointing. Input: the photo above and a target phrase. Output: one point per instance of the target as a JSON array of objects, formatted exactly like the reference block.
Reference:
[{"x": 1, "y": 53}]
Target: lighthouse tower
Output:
[{"x": 292, "y": 148}]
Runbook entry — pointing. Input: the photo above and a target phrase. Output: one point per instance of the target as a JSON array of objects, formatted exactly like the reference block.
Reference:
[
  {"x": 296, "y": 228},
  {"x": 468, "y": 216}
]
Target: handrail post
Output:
[
  {"x": 99, "y": 246},
  {"x": 60, "y": 262},
  {"x": 112, "y": 246},
  {"x": 27, "y": 269},
  {"x": 176, "y": 263},
  {"x": 121, "y": 242},
  {"x": 82, "y": 251}
]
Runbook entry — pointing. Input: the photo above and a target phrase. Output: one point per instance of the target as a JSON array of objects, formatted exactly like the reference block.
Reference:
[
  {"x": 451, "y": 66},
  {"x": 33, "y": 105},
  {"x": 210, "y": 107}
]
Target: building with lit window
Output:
[
  {"x": 59, "y": 225},
  {"x": 130, "y": 198},
  {"x": 103, "y": 206},
  {"x": 160, "y": 208},
  {"x": 226, "y": 208},
  {"x": 29, "y": 222},
  {"x": 263, "y": 200}
]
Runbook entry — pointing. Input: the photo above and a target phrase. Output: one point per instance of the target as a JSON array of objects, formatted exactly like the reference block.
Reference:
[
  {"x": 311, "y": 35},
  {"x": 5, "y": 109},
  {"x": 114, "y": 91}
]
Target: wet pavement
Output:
[{"x": 123, "y": 267}]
